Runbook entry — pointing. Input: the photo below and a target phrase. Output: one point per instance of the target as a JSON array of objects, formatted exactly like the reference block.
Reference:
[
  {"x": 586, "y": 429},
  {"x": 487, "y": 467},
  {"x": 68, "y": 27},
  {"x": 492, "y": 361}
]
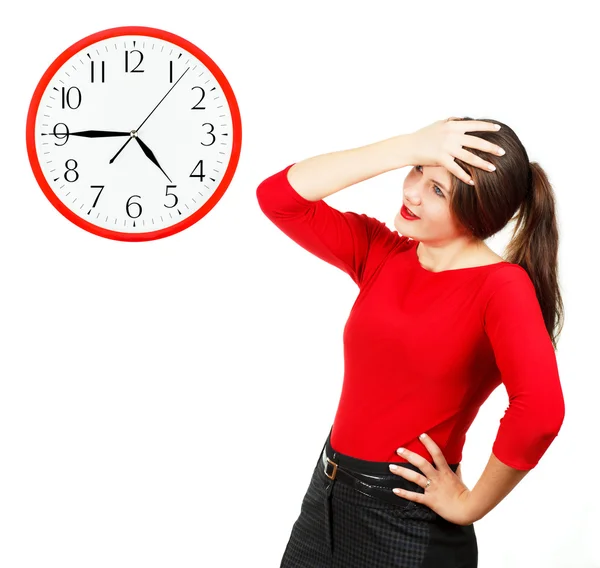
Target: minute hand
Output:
[
  {"x": 98, "y": 133},
  {"x": 161, "y": 100}
]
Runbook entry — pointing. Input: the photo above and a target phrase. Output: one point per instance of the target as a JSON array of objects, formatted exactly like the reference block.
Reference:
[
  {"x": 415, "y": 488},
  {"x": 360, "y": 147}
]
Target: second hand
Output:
[{"x": 132, "y": 134}]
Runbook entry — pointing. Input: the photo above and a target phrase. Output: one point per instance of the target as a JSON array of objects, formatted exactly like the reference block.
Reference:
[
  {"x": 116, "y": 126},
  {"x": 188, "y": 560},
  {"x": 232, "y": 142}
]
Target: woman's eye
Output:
[{"x": 441, "y": 193}]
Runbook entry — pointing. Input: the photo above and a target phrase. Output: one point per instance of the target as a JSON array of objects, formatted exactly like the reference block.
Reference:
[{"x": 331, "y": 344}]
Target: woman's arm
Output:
[
  {"x": 495, "y": 483},
  {"x": 525, "y": 357},
  {"x": 323, "y": 175}
]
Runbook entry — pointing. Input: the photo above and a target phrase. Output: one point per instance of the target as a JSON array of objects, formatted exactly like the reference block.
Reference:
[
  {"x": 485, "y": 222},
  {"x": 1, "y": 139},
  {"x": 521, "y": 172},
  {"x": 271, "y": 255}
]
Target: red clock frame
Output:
[{"x": 159, "y": 34}]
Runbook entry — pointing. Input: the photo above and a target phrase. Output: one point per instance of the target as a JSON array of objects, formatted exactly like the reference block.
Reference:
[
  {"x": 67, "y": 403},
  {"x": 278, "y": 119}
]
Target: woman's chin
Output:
[{"x": 403, "y": 229}]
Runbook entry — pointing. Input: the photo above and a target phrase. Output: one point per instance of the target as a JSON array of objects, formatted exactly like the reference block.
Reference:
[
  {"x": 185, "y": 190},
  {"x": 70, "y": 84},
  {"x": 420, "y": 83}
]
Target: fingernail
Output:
[
  {"x": 471, "y": 182},
  {"x": 422, "y": 436},
  {"x": 400, "y": 450},
  {"x": 498, "y": 127},
  {"x": 393, "y": 467},
  {"x": 491, "y": 167}
]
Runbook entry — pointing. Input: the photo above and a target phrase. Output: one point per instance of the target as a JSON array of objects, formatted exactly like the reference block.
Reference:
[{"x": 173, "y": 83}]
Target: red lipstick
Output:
[{"x": 405, "y": 213}]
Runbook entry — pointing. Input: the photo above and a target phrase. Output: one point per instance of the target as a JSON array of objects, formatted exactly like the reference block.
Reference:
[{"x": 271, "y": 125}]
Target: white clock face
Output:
[{"x": 134, "y": 134}]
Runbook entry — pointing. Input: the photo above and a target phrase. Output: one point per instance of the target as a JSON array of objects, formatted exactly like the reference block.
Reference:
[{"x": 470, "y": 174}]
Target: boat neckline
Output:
[{"x": 418, "y": 262}]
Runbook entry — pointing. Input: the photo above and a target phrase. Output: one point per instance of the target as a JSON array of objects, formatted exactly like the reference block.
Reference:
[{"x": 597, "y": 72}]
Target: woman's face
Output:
[{"x": 426, "y": 194}]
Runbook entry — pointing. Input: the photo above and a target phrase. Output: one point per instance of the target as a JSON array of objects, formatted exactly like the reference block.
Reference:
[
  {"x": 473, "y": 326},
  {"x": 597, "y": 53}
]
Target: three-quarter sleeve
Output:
[
  {"x": 353, "y": 242},
  {"x": 525, "y": 357}
]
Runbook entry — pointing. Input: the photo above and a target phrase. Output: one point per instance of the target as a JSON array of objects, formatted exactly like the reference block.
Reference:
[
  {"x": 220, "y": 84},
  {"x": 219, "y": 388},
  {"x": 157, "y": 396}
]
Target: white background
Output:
[{"x": 164, "y": 403}]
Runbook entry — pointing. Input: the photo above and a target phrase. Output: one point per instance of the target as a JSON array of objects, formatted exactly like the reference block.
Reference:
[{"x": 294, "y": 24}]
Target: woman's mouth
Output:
[{"x": 405, "y": 212}]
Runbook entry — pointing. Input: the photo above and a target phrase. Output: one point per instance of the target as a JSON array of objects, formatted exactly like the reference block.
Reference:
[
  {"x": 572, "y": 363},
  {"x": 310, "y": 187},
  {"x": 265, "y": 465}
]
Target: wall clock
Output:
[{"x": 133, "y": 133}]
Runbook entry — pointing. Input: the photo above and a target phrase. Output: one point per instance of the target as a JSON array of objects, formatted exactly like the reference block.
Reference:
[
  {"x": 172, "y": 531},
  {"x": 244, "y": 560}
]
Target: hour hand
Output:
[{"x": 150, "y": 155}]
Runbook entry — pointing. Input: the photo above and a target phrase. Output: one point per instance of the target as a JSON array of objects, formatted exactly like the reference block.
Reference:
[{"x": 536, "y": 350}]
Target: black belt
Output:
[{"x": 377, "y": 485}]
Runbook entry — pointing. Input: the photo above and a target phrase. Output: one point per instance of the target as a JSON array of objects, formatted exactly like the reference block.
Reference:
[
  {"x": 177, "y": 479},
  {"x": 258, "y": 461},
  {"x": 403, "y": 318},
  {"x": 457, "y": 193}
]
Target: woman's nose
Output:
[{"x": 412, "y": 198}]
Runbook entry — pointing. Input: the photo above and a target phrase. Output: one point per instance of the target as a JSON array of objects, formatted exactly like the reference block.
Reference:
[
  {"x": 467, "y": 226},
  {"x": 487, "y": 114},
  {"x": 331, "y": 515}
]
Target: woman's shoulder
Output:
[{"x": 508, "y": 278}]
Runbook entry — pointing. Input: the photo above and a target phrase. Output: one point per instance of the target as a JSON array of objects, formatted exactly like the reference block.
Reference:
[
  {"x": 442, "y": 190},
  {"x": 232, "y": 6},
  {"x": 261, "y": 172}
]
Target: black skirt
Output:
[{"x": 340, "y": 526}]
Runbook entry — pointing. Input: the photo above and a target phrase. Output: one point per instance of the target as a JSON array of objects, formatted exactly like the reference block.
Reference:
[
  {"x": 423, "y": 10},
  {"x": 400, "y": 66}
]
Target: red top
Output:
[{"x": 423, "y": 350}]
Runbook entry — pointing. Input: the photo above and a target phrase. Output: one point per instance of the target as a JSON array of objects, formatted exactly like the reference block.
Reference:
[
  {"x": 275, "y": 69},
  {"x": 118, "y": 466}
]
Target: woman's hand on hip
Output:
[{"x": 446, "y": 494}]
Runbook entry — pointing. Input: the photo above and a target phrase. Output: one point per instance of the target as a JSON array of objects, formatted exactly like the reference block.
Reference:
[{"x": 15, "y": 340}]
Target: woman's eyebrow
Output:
[{"x": 441, "y": 185}]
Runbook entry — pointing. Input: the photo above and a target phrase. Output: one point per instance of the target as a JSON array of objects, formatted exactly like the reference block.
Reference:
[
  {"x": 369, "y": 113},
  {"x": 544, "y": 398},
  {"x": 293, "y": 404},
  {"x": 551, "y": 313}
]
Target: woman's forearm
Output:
[
  {"x": 495, "y": 483},
  {"x": 325, "y": 174}
]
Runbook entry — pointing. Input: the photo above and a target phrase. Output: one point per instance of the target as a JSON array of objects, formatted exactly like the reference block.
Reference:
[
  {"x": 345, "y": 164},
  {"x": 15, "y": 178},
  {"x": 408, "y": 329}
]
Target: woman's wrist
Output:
[{"x": 400, "y": 151}]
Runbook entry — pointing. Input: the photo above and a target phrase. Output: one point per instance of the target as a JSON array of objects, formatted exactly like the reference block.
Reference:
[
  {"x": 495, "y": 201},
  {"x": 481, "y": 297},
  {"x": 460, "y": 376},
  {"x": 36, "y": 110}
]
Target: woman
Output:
[{"x": 439, "y": 322}]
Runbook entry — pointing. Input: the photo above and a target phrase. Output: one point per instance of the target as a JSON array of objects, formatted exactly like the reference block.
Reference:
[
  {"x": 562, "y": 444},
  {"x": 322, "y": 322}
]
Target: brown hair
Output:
[{"x": 516, "y": 190}]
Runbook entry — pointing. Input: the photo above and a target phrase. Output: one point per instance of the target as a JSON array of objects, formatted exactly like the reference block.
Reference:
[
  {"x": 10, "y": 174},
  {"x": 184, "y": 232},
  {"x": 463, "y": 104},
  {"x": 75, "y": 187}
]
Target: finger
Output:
[
  {"x": 409, "y": 474},
  {"x": 482, "y": 144},
  {"x": 434, "y": 450},
  {"x": 474, "y": 160},
  {"x": 418, "y": 460},
  {"x": 457, "y": 171},
  {"x": 410, "y": 495},
  {"x": 474, "y": 125}
]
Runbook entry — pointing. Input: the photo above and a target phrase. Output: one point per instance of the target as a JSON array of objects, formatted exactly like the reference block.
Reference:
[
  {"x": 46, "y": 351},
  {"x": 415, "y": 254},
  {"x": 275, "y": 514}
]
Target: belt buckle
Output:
[{"x": 335, "y": 466}]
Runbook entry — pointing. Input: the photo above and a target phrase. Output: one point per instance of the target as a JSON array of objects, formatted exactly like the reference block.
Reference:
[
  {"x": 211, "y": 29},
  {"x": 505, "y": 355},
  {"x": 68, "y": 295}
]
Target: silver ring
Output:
[{"x": 428, "y": 483}]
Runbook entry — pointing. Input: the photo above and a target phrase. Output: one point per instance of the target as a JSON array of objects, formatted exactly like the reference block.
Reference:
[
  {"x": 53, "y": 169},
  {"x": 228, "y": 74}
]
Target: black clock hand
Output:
[
  {"x": 161, "y": 100},
  {"x": 98, "y": 133},
  {"x": 150, "y": 155},
  {"x": 90, "y": 133}
]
